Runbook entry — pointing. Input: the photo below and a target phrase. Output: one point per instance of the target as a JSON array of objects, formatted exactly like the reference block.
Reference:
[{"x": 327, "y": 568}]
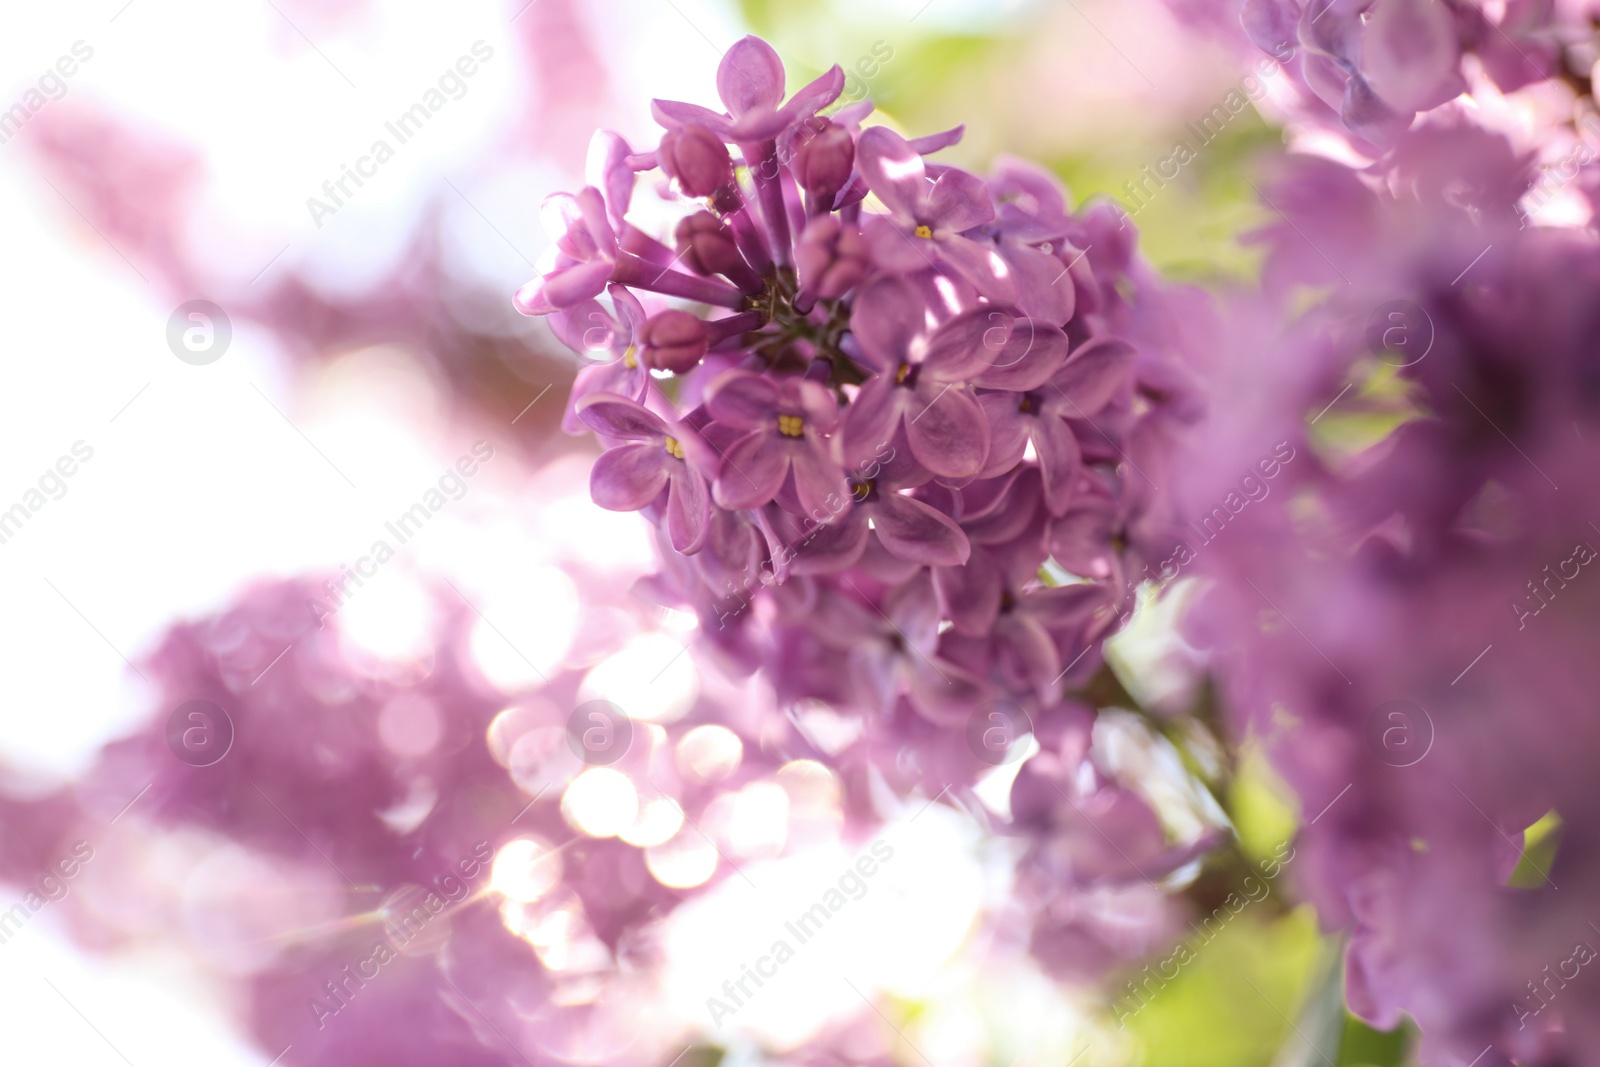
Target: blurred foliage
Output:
[
  {"x": 1539, "y": 844},
  {"x": 1261, "y": 806},
  {"x": 1362, "y": 1046},
  {"x": 1230, "y": 1006},
  {"x": 1383, "y": 400},
  {"x": 1189, "y": 227}
]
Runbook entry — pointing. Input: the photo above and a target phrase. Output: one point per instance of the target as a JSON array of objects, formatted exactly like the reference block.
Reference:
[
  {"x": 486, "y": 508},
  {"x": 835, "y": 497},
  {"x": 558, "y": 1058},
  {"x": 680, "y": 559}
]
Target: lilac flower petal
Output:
[
  {"x": 970, "y": 595},
  {"x": 750, "y": 76},
  {"x": 978, "y": 264},
  {"x": 819, "y": 405},
  {"x": 1366, "y": 114},
  {"x": 942, "y": 693},
  {"x": 615, "y": 378},
  {"x": 1019, "y": 526},
  {"x": 893, "y": 249},
  {"x": 914, "y": 531},
  {"x": 629, "y": 477},
  {"x": 832, "y": 547},
  {"x": 688, "y": 510},
  {"x": 1027, "y": 192},
  {"x": 1270, "y": 24},
  {"x": 1045, "y": 289},
  {"x": 1066, "y": 606},
  {"x": 675, "y": 113},
  {"x": 1008, "y": 432},
  {"x": 934, "y": 142},
  {"x": 1325, "y": 77},
  {"x": 967, "y": 345},
  {"x": 752, "y": 472},
  {"x": 1333, "y": 27},
  {"x": 947, "y": 431},
  {"x": 915, "y": 611},
  {"x": 980, "y": 499},
  {"x": 587, "y": 328},
  {"x": 630, "y": 312},
  {"x": 562, "y": 219},
  {"x": 1409, "y": 54},
  {"x": 884, "y": 566},
  {"x": 1059, "y": 460},
  {"x": 757, "y": 126},
  {"x": 1020, "y": 353},
  {"x": 1030, "y": 649},
  {"x": 607, "y": 169},
  {"x": 743, "y": 399},
  {"x": 959, "y": 201},
  {"x": 1094, "y": 375},
  {"x": 563, "y": 288},
  {"x": 893, "y": 170},
  {"x": 818, "y": 482},
  {"x": 814, "y": 96},
  {"x": 1080, "y": 539},
  {"x": 889, "y": 315},
  {"x": 617, "y": 417},
  {"x": 596, "y": 220},
  {"x": 871, "y": 419}
]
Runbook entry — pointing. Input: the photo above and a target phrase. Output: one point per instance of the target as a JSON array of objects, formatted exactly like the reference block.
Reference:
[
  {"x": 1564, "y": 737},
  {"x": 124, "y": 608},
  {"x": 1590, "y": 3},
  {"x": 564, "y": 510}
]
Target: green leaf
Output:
[
  {"x": 1227, "y": 1006},
  {"x": 1261, "y": 805},
  {"x": 1366, "y": 1047},
  {"x": 1539, "y": 844}
]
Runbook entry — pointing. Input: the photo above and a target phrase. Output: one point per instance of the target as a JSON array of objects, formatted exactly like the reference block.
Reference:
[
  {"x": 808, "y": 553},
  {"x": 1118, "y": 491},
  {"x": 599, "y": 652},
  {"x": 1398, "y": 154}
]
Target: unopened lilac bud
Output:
[
  {"x": 697, "y": 159},
  {"x": 673, "y": 341},
  {"x": 832, "y": 257},
  {"x": 706, "y": 244},
  {"x": 825, "y": 155}
]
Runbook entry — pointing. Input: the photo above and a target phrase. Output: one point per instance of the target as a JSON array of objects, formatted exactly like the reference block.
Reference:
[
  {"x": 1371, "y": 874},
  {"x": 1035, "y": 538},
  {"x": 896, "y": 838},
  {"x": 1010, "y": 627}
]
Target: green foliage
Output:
[
  {"x": 1229, "y": 1006},
  {"x": 1260, "y": 805},
  {"x": 1539, "y": 844},
  {"x": 1362, "y": 1046}
]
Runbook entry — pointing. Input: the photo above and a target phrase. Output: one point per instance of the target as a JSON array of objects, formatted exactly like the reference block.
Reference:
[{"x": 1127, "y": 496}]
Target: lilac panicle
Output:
[{"x": 860, "y": 461}]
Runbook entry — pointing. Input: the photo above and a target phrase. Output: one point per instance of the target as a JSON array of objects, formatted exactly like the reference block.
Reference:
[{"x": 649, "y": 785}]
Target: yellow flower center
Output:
[
  {"x": 900, "y": 375},
  {"x": 630, "y": 358},
  {"x": 925, "y": 232},
  {"x": 790, "y": 425},
  {"x": 674, "y": 449},
  {"x": 861, "y": 490}
]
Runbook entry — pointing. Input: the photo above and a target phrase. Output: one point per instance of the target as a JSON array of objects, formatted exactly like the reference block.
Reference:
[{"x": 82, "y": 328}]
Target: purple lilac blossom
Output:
[
  {"x": 1401, "y": 617},
  {"x": 894, "y": 416}
]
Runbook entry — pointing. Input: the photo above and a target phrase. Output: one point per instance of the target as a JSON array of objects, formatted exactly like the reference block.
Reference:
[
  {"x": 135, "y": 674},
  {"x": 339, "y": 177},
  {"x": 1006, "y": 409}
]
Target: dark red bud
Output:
[
  {"x": 706, "y": 244},
  {"x": 831, "y": 257},
  {"x": 673, "y": 341},
  {"x": 825, "y": 155},
  {"x": 697, "y": 160}
]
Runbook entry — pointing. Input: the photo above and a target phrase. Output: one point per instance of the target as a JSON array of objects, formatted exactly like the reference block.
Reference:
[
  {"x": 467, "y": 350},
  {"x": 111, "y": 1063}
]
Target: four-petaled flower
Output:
[
  {"x": 750, "y": 81},
  {"x": 1084, "y": 385},
  {"x": 786, "y": 422},
  {"x": 652, "y": 460},
  {"x": 927, "y": 221},
  {"x": 588, "y": 327}
]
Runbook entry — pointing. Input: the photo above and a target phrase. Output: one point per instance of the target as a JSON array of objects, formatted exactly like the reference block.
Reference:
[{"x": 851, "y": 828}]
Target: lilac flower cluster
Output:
[
  {"x": 1372, "y": 621},
  {"x": 901, "y": 474},
  {"x": 1379, "y": 62},
  {"x": 1369, "y": 67}
]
